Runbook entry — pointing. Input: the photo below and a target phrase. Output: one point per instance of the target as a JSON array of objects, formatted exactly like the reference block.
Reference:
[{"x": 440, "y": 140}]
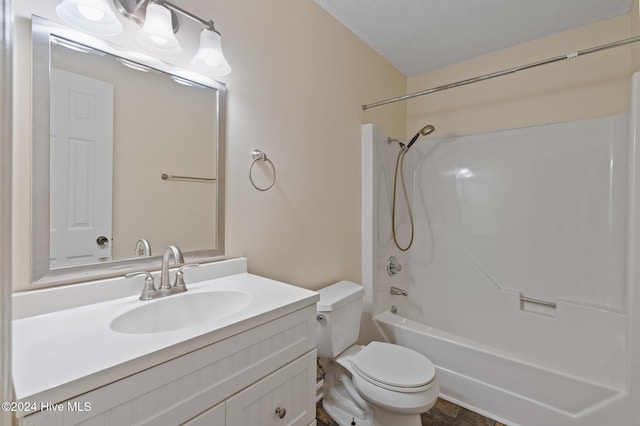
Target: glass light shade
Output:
[
  {"x": 91, "y": 16},
  {"x": 223, "y": 69},
  {"x": 156, "y": 35},
  {"x": 209, "y": 57}
]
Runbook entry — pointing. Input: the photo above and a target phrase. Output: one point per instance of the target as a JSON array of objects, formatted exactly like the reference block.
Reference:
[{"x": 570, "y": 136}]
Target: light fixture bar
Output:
[
  {"x": 135, "y": 10},
  {"x": 169, "y": 5}
]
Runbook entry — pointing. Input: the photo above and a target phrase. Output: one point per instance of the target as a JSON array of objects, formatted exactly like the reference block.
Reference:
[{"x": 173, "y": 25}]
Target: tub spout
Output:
[{"x": 398, "y": 292}]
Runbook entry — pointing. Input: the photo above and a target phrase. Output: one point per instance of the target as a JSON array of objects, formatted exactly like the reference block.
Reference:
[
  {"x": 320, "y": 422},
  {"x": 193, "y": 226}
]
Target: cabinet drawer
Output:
[
  {"x": 291, "y": 388},
  {"x": 212, "y": 417}
]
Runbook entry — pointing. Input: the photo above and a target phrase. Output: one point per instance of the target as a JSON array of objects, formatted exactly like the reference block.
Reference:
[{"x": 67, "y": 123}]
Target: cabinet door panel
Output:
[{"x": 286, "y": 397}]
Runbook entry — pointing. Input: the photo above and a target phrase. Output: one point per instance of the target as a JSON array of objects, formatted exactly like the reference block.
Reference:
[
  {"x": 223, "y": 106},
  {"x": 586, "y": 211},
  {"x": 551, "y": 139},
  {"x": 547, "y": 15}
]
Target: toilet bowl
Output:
[{"x": 377, "y": 384}]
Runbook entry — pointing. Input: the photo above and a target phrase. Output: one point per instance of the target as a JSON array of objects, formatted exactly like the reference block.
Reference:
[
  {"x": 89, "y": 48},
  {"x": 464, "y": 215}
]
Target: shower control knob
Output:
[{"x": 393, "y": 267}]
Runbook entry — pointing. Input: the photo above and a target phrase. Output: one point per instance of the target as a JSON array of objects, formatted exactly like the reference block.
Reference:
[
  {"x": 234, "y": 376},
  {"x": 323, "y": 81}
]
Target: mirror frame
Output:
[{"x": 41, "y": 271}]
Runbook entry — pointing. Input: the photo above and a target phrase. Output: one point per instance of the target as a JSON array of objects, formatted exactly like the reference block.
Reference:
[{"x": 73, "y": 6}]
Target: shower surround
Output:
[{"x": 522, "y": 277}]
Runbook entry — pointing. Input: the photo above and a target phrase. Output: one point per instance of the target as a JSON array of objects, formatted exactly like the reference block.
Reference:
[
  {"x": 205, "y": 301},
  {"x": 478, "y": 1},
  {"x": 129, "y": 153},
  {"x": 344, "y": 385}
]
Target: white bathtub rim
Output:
[
  {"x": 577, "y": 415},
  {"x": 521, "y": 406},
  {"x": 466, "y": 343}
]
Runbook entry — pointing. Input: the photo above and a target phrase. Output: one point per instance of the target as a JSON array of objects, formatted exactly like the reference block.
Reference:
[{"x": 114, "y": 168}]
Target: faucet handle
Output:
[
  {"x": 149, "y": 287},
  {"x": 180, "y": 284},
  {"x": 393, "y": 267}
]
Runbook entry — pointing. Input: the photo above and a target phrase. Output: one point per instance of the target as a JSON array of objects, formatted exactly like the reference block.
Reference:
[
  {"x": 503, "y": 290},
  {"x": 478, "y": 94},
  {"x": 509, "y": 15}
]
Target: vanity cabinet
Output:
[
  {"x": 263, "y": 376},
  {"x": 213, "y": 416}
]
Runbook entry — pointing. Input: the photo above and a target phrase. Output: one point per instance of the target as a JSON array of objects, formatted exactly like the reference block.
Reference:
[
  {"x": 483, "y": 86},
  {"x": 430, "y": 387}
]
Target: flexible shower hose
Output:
[{"x": 400, "y": 167}]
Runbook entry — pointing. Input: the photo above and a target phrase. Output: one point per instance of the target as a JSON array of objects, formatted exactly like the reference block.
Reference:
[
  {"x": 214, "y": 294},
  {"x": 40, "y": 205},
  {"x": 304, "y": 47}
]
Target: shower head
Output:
[{"x": 426, "y": 130}]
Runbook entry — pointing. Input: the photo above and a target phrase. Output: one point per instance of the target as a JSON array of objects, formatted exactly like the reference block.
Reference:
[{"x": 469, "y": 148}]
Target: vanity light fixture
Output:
[
  {"x": 156, "y": 35},
  {"x": 92, "y": 16},
  {"x": 209, "y": 56},
  {"x": 160, "y": 21}
]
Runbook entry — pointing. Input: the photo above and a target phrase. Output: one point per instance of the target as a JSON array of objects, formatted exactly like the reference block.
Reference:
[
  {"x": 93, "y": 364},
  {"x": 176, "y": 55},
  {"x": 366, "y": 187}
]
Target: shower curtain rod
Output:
[{"x": 505, "y": 72}]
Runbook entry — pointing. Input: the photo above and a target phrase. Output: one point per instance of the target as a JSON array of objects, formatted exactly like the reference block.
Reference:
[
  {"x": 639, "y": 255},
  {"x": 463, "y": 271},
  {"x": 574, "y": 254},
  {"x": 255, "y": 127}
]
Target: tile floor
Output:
[{"x": 444, "y": 413}]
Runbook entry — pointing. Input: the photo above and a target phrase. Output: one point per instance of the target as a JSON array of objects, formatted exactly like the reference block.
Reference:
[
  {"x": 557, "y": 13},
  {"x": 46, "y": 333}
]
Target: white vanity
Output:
[
  {"x": 250, "y": 362},
  {"x": 235, "y": 349}
]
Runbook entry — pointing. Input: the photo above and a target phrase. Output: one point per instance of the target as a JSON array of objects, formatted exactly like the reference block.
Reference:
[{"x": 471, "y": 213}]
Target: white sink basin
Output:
[{"x": 180, "y": 311}]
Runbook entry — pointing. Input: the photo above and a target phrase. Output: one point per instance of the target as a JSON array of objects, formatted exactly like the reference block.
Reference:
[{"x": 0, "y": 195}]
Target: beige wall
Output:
[
  {"x": 634, "y": 18},
  {"x": 21, "y": 201},
  {"x": 298, "y": 82},
  {"x": 589, "y": 86}
]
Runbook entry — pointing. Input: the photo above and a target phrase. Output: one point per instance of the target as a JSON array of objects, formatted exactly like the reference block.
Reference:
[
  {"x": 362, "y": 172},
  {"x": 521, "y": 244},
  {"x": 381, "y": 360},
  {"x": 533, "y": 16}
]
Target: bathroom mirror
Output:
[{"x": 126, "y": 156}]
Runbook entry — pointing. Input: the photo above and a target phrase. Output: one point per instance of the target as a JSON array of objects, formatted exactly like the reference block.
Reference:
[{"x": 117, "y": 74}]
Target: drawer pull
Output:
[{"x": 281, "y": 412}]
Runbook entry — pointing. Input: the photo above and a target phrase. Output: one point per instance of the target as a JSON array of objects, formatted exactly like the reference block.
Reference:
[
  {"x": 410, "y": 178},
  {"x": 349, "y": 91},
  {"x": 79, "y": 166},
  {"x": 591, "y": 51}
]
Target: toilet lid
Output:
[{"x": 394, "y": 367}]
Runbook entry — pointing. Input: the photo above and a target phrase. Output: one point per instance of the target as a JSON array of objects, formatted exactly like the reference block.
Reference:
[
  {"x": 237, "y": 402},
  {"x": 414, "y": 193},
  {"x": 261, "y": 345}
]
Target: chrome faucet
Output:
[
  {"x": 165, "y": 281},
  {"x": 149, "y": 291}
]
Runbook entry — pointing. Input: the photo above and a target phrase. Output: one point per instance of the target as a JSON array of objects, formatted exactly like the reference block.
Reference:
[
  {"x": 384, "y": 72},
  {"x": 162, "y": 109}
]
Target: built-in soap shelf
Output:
[{"x": 537, "y": 306}]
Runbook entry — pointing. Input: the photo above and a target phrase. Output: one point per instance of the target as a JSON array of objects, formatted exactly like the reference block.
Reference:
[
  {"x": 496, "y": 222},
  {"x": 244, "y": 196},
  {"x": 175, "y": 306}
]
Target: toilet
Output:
[{"x": 380, "y": 384}]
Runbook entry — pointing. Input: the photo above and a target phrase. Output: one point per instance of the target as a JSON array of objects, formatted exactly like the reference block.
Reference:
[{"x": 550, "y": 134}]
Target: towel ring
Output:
[{"x": 256, "y": 154}]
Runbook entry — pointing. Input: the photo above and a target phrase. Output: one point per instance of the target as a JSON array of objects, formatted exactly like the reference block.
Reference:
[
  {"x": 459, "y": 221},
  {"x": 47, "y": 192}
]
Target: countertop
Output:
[{"x": 65, "y": 353}]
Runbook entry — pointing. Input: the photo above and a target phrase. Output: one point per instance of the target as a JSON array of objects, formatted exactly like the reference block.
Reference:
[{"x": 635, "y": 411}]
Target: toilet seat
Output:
[
  {"x": 393, "y": 367},
  {"x": 397, "y": 402}
]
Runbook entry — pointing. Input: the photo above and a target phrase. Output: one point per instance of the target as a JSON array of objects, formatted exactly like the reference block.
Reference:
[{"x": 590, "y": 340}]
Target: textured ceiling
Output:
[{"x": 417, "y": 36}]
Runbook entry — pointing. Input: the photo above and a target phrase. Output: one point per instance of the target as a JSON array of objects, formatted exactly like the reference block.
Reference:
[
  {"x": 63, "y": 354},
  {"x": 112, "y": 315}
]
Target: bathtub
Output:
[
  {"x": 497, "y": 383},
  {"x": 522, "y": 285}
]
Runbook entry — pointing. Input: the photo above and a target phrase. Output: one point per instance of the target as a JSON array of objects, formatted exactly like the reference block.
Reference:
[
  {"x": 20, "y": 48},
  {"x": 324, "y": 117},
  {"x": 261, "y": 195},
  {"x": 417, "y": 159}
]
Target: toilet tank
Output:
[{"x": 339, "y": 313}]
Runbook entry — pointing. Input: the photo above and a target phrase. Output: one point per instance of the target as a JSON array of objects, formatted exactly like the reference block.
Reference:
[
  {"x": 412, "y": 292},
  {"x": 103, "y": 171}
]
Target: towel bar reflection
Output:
[{"x": 165, "y": 176}]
